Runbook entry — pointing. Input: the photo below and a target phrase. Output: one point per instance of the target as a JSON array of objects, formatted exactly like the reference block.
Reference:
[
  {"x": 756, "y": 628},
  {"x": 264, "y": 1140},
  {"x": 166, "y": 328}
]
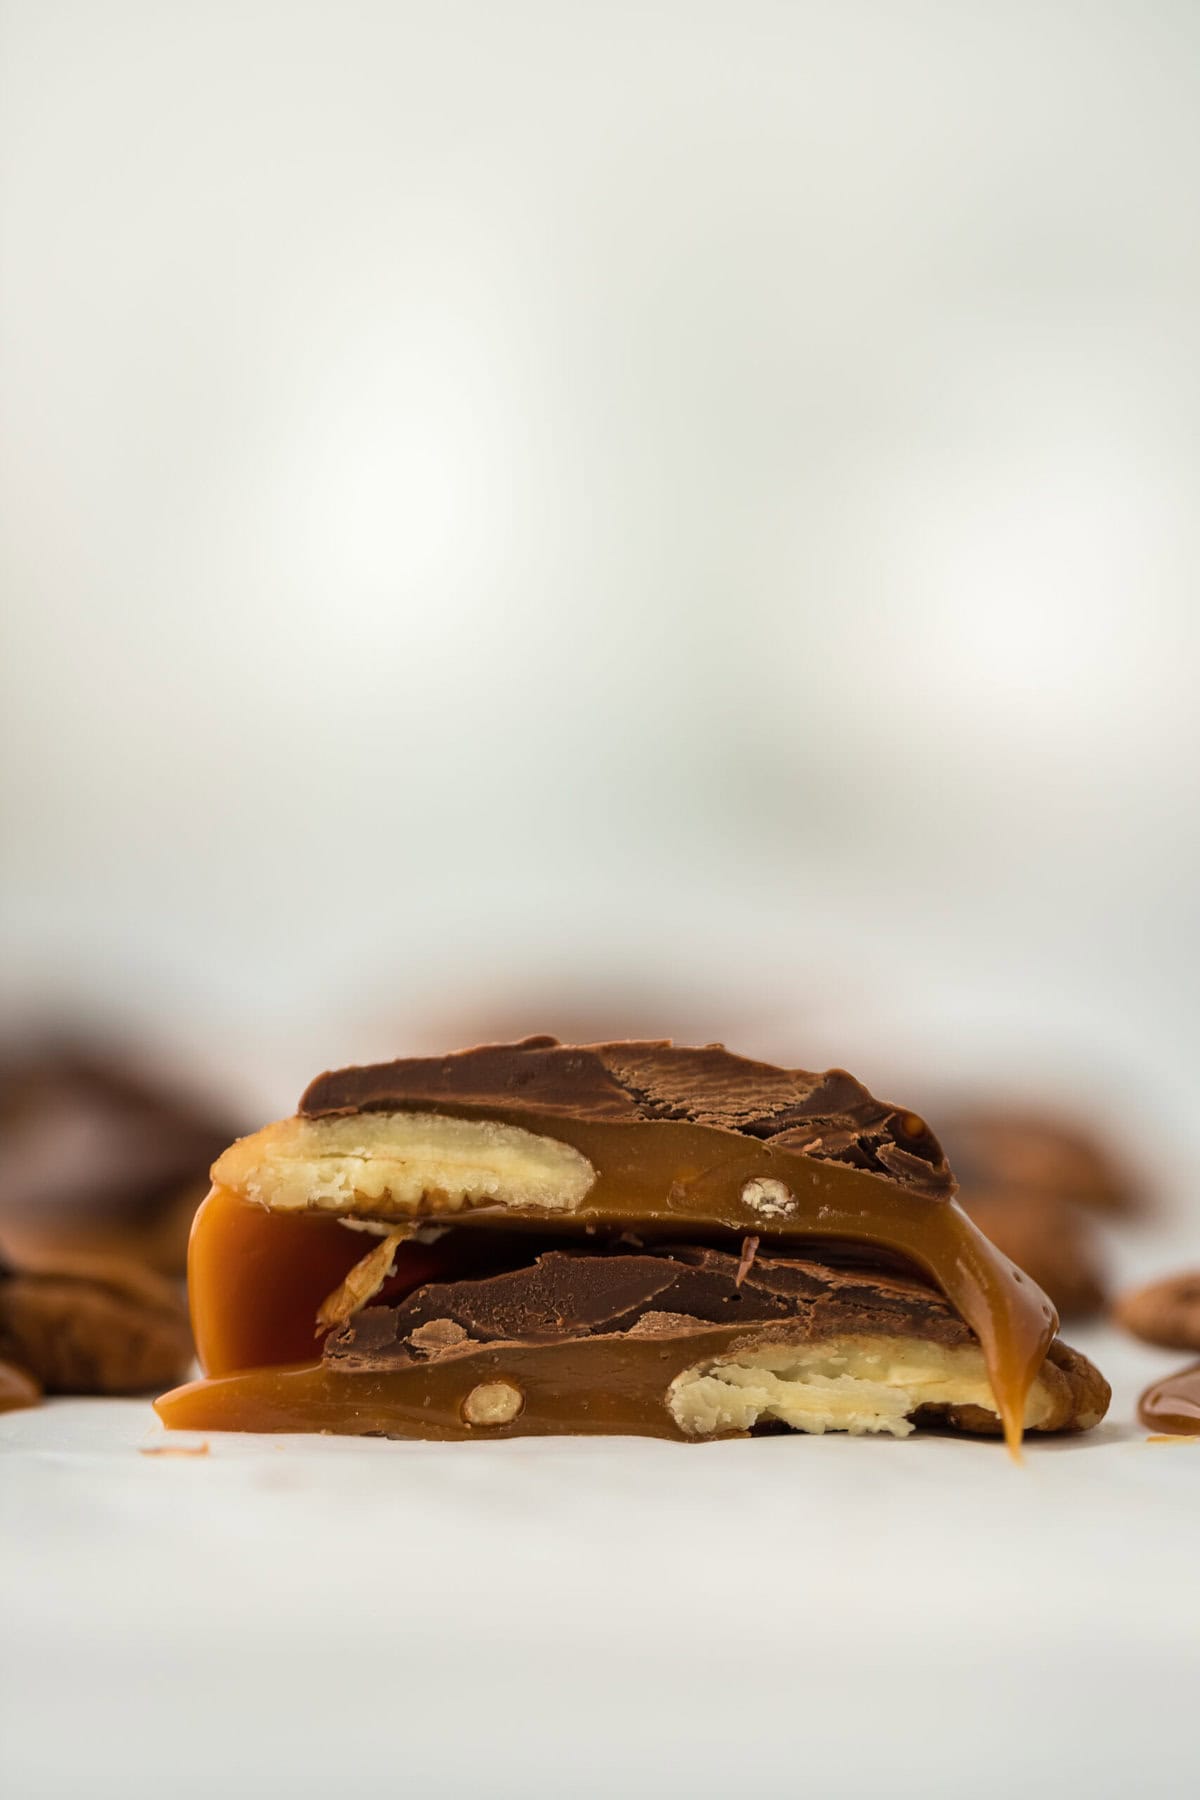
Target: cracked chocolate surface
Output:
[
  {"x": 830, "y": 1117},
  {"x": 577, "y": 1294}
]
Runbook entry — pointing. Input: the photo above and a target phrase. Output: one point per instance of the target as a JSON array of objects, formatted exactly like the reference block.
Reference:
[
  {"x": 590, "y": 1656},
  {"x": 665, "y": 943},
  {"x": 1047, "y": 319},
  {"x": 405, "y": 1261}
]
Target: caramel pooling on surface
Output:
[{"x": 1171, "y": 1407}]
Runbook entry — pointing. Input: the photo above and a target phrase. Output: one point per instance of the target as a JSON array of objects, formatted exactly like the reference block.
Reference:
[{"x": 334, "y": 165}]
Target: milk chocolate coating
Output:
[{"x": 829, "y": 1116}]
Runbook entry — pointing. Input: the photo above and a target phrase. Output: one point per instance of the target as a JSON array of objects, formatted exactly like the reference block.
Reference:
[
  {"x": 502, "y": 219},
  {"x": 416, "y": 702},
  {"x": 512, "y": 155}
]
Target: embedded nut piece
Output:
[
  {"x": 859, "y": 1384},
  {"x": 769, "y": 1197},
  {"x": 362, "y": 1283},
  {"x": 437, "y": 1335},
  {"x": 493, "y": 1403}
]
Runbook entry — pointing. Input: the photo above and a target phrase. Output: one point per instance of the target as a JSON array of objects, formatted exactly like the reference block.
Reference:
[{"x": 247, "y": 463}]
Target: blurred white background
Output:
[{"x": 701, "y": 494}]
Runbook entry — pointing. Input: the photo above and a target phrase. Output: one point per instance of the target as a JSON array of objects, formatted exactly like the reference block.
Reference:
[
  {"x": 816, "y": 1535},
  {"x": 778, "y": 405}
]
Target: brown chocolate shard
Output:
[
  {"x": 374, "y": 1339},
  {"x": 89, "y": 1325},
  {"x": 829, "y": 1116},
  {"x": 562, "y": 1294},
  {"x": 1164, "y": 1312}
]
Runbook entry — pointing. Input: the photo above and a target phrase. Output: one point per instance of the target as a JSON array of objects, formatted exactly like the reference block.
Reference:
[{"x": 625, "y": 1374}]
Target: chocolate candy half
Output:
[{"x": 557, "y": 1238}]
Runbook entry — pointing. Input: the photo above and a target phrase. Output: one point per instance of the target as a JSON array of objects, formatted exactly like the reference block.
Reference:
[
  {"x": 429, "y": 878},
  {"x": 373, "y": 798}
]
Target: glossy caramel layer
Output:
[
  {"x": 591, "y": 1386},
  {"x": 599, "y": 1385},
  {"x": 1172, "y": 1406},
  {"x": 256, "y": 1279}
]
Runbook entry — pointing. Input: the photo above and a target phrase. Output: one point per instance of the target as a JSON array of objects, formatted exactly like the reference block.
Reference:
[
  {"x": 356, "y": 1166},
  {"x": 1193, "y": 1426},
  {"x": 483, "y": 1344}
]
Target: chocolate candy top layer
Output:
[{"x": 829, "y": 1116}]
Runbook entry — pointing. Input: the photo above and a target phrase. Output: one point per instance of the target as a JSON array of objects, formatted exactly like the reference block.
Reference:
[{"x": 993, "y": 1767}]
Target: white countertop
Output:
[{"x": 833, "y": 1617}]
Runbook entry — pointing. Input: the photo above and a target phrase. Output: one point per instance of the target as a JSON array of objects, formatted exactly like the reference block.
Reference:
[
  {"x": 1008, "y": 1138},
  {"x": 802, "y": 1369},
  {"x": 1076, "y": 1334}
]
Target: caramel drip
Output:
[{"x": 1172, "y": 1406}]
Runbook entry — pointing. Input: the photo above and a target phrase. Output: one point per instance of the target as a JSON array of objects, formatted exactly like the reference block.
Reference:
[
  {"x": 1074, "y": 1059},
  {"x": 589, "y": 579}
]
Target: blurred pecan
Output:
[
  {"x": 94, "y": 1326},
  {"x": 1055, "y": 1242},
  {"x": 1165, "y": 1312},
  {"x": 17, "y": 1388},
  {"x": 1015, "y": 1150}
]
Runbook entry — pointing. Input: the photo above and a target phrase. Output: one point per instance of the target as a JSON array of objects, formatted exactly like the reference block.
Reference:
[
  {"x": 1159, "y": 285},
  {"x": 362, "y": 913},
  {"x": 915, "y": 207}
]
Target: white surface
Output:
[{"x": 291, "y": 1616}]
